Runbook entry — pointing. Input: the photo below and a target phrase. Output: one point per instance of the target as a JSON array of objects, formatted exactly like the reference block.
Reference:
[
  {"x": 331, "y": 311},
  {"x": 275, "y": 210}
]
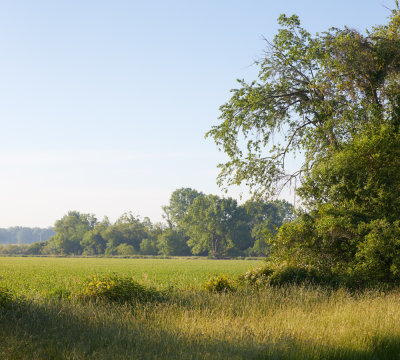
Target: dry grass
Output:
[
  {"x": 291, "y": 323},
  {"x": 270, "y": 323}
]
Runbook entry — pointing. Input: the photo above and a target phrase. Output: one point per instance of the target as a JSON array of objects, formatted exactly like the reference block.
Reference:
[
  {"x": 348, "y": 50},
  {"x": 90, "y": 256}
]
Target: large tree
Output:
[
  {"x": 70, "y": 231},
  {"x": 128, "y": 229},
  {"x": 264, "y": 220},
  {"x": 94, "y": 242},
  {"x": 209, "y": 222},
  {"x": 334, "y": 97},
  {"x": 314, "y": 94},
  {"x": 179, "y": 203}
]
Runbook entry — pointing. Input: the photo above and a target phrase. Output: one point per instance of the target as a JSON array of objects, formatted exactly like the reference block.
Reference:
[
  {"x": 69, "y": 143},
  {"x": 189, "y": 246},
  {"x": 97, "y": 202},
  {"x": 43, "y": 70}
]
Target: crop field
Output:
[
  {"x": 187, "y": 321},
  {"x": 30, "y": 275}
]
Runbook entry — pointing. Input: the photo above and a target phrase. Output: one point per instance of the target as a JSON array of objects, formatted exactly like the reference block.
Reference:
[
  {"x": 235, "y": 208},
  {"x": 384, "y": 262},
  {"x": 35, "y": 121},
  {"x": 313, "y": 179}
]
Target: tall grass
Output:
[
  {"x": 293, "y": 322},
  {"x": 287, "y": 323}
]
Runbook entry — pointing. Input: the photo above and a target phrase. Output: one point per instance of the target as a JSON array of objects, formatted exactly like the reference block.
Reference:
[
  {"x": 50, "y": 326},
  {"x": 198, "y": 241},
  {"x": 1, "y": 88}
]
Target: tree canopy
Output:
[
  {"x": 205, "y": 225},
  {"x": 314, "y": 94},
  {"x": 335, "y": 99}
]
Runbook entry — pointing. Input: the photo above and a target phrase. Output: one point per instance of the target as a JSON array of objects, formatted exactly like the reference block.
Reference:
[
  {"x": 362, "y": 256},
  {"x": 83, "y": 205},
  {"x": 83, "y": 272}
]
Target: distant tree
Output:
[
  {"x": 11, "y": 249},
  {"x": 41, "y": 234},
  {"x": 173, "y": 242},
  {"x": 265, "y": 219},
  {"x": 238, "y": 232},
  {"x": 125, "y": 249},
  {"x": 148, "y": 247},
  {"x": 94, "y": 242},
  {"x": 179, "y": 203},
  {"x": 69, "y": 232},
  {"x": 131, "y": 230},
  {"x": 208, "y": 223},
  {"x": 36, "y": 248},
  {"x": 24, "y": 235}
]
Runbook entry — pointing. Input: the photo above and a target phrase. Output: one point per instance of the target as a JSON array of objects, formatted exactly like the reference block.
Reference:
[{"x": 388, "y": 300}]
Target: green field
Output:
[
  {"x": 293, "y": 322},
  {"x": 30, "y": 275}
]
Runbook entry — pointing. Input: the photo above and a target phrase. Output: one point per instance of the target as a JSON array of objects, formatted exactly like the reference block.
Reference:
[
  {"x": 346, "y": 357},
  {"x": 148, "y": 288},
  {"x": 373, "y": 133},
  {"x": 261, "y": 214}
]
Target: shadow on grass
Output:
[
  {"x": 54, "y": 331},
  {"x": 57, "y": 330}
]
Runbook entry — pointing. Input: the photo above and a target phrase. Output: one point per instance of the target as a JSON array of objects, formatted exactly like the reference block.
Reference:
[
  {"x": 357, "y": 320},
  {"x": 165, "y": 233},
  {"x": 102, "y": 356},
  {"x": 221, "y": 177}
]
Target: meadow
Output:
[{"x": 290, "y": 322}]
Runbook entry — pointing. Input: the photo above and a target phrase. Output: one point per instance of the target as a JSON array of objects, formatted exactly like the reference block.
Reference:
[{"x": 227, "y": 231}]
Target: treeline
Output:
[
  {"x": 195, "y": 224},
  {"x": 24, "y": 235}
]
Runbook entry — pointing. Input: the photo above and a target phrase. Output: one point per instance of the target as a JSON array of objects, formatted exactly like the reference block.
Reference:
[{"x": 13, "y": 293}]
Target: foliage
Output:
[
  {"x": 317, "y": 93},
  {"x": 284, "y": 274},
  {"x": 208, "y": 224},
  {"x": 148, "y": 246},
  {"x": 289, "y": 275},
  {"x": 127, "y": 229},
  {"x": 228, "y": 230},
  {"x": 265, "y": 218},
  {"x": 69, "y": 232},
  {"x": 36, "y": 248},
  {"x": 125, "y": 249},
  {"x": 351, "y": 228},
  {"x": 220, "y": 283},
  {"x": 93, "y": 241},
  {"x": 116, "y": 288},
  {"x": 180, "y": 201},
  {"x": 335, "y": 97},
  {"x": 378, "y": 256},
  {"x": 257, "y": 276},
  {"x": 173, "y": 242}
]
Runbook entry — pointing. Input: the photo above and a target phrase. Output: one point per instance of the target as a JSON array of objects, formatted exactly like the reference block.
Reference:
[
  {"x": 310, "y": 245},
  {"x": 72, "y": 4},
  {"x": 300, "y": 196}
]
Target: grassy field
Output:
[
  {"x": 32, "y": 275},
  {"x": 270, "y": 323}
]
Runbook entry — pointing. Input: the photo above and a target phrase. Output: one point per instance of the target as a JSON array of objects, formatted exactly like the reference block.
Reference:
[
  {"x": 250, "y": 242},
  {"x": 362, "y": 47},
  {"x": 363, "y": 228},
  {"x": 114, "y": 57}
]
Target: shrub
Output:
[
  {"x": 294, "y": 275},
  {"x": 378, "y": 256},
  {"x": 219, "y": 284},
  {"x": 274, "y": 275},
  {"x": 257, "y": 276},
  {"x": 116, "y": 288}
]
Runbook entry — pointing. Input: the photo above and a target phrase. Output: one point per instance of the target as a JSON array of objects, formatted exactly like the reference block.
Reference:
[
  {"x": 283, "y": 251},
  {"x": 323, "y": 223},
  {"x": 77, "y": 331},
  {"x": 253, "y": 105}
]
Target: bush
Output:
[
  {"x": 257, "y": 276},
  {"x": 285, "y": 274},
  {"x": 219, "y": 284},
  {"x": 294, "y": 275},
  {"x": 378, "y": 256},
  {"x": 115, "y": 288}
]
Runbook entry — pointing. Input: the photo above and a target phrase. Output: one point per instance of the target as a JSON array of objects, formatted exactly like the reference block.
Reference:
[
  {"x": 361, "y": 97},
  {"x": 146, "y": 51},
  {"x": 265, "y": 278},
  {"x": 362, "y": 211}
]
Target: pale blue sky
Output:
[{"x": 104, "y": 104}]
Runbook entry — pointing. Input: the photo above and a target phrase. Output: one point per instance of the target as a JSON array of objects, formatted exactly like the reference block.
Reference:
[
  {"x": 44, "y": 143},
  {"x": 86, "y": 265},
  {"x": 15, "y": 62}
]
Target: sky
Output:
[{"x": 104, "y": 104}]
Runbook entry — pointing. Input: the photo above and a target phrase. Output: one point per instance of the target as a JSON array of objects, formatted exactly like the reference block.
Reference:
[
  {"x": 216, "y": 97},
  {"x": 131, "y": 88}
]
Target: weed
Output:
[{"x": 220, "y": 283}]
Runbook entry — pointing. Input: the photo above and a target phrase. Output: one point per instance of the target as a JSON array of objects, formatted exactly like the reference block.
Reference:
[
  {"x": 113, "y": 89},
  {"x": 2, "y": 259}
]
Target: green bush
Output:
[
  {"x": 116, "y": 288},
  {"x": 219, "y": 284},
  {"x": 257, "y": 276},
  {"x": 378, "y": 256},
  {"x": 284, "y": 274},
  {"x": 294, "y": 275}
]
